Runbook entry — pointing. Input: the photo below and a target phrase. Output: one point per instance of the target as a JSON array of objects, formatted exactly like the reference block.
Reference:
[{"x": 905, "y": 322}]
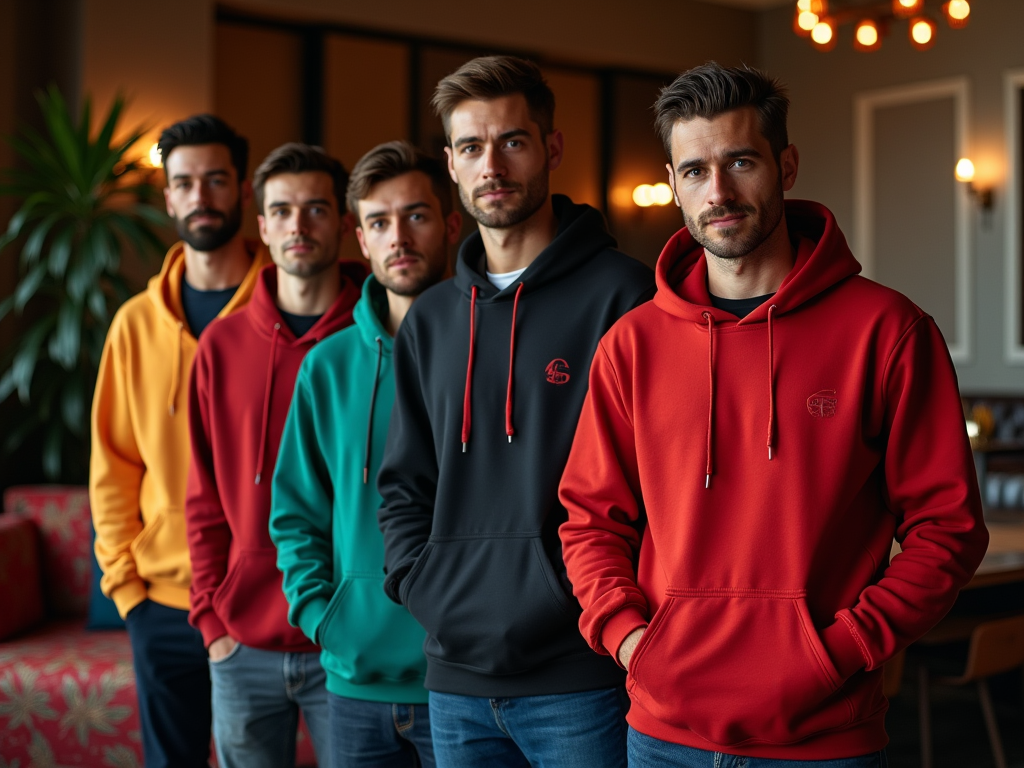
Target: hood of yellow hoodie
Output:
[{"x": 164, "y": 290}]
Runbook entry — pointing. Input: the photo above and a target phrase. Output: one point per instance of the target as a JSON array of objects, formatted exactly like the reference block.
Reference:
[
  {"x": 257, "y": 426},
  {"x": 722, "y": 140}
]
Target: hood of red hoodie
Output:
[
  {"x": 823, "y": 260},
  {"x": 264, "y": 314}
]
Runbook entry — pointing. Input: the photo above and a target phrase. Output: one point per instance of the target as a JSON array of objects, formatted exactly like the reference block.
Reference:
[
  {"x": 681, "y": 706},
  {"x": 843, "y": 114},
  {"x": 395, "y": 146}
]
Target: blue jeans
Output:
[
  {"x": 569, "y": 730},
  {"x": 257, "y": 696},
  {"x": 648, "y": 752},
  {"x": 372, "y": 734},
  {"x": 172, "y": 681}
]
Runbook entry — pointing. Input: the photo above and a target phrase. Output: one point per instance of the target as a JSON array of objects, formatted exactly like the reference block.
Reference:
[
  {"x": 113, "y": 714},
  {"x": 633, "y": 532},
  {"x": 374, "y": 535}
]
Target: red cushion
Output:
[
  {"x": 64, "y": 521},
  {"x": 21, "y": 594}
]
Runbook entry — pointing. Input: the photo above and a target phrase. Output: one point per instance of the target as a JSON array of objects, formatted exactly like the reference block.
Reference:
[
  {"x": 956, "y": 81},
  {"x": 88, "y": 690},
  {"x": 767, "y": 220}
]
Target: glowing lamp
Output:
[
  {"x": 964, "y": 169},
  {"x": 866, "y": 36},
  {"x": 804, "y": 22},
  {"x": 824, "y": 35},
  {"x": 903, "y": 9},
  {"x": 643, "y": 195},
  {"x": 661, "y": 193},
  {"x": 957, "y": 13},
  {"x": 922, "y": 33},
  {"x": 154, "y": 158}
]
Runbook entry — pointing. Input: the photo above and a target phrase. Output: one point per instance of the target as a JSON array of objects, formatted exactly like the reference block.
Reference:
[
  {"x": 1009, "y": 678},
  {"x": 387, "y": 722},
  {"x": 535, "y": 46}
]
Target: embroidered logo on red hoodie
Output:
[
  {"x": 557, "y": 371},
  {"x": 822, "y": 405}
]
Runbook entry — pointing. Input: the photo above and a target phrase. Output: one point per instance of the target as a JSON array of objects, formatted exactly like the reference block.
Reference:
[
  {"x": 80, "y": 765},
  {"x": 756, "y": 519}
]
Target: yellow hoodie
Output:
[{"x": 140, "y": 446}]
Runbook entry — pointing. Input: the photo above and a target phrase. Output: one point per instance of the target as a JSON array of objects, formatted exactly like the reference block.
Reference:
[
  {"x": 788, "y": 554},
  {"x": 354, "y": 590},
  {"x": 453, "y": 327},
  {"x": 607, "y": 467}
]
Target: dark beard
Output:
[
  {"x": 502, "y": 218},
  {"x": 205, "y": 239},
  {"x": 771, "y": 213},
  {"x": 433, "y": 275}
]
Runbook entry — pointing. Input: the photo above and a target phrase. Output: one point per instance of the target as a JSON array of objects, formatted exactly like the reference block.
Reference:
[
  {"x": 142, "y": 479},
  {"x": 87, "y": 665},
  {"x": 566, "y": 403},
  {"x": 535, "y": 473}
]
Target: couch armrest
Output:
[{"x": 21, "y": 591}]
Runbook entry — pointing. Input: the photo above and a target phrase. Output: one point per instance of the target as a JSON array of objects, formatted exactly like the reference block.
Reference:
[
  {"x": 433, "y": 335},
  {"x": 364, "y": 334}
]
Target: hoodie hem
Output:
[
  {"x": 860, "y": 738},
  {"x": 128, "y": 595},
  {"x": 571, "y": 674},
  {"x": 385, "y": 692},
  {"x": 169, "y": 595}
]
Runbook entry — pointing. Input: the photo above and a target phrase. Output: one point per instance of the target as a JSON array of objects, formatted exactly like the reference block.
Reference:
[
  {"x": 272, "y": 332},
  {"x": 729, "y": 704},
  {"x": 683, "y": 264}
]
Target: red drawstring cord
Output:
[
  {"x": 266, "y": 403},
  {"x": 771, "y": 383},
  {"x": 509, "y": 429},
  {"x": 711, "y": 392},
  {"x": 467, "y": 417}
]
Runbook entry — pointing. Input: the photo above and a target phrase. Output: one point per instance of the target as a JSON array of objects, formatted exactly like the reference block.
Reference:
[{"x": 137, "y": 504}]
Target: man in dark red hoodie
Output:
[
  {"x": 729, "y": 539},
  {"x": 263, "y": 670}
]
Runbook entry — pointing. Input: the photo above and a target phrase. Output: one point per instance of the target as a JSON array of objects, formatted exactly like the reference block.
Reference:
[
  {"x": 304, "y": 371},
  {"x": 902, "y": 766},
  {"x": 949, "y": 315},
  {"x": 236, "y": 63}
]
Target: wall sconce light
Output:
[
  {"x": 155, "y": 161},
  {"x": 647, "y": 195},
  {"x": 965, "y": 173}
]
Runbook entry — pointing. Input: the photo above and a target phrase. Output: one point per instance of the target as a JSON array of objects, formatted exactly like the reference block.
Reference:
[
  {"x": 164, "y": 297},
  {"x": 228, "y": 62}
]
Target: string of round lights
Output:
[{"x": 814, "y": 19}]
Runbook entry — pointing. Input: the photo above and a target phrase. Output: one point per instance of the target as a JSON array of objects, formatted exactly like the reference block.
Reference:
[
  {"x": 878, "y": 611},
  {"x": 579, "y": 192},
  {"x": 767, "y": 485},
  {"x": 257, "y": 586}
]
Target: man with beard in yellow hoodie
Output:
[{"x": 140, "y": 447}]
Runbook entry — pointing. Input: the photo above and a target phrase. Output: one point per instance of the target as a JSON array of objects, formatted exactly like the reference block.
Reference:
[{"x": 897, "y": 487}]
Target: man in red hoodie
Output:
[
  {"x": 729, "y": 541},
  {"x": 263, "y": 670}
]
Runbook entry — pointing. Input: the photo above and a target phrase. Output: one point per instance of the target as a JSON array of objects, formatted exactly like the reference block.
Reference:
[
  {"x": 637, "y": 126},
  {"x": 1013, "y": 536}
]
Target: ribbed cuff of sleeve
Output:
[
  {"x": 618, "y": 626},
  {"x": 211, "y": 627},
  {"x": 128, "y": 595},
  {"x": 310, "y": 617},
  {"x": 842, "y": 648}
]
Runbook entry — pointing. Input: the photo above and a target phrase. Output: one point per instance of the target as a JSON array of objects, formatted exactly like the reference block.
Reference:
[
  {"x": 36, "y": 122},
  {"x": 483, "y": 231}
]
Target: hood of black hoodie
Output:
[
  {"x": 823, "y": 260},
  {"x": 581, "y": 233}
]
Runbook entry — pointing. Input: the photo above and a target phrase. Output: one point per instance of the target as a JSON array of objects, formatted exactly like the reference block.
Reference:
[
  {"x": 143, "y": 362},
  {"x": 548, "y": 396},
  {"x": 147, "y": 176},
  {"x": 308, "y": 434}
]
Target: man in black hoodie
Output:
[{"x": 491, "y": 371}]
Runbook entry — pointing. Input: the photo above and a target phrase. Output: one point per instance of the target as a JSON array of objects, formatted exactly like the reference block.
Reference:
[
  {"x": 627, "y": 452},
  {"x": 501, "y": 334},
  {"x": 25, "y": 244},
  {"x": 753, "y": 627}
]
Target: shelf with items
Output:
[{"x": 996, "y": 426}]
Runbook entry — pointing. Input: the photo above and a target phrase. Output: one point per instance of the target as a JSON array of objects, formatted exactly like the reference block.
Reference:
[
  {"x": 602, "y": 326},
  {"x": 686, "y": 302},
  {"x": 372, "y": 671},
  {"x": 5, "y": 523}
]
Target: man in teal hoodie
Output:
[{"x": 325, "y": 500}]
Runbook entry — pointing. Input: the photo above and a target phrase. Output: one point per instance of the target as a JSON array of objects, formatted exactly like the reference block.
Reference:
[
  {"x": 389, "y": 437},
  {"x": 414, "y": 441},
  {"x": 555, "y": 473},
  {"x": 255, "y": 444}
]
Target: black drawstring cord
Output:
[{"x": 373, "y": 400}]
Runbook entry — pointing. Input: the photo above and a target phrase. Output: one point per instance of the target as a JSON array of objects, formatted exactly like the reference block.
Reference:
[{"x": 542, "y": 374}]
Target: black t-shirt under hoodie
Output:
[{"x": 471, "y": 470}]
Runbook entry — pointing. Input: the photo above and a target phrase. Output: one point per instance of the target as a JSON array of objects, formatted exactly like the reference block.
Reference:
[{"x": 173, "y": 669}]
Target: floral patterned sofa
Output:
[{"x": 67, "y": 694}]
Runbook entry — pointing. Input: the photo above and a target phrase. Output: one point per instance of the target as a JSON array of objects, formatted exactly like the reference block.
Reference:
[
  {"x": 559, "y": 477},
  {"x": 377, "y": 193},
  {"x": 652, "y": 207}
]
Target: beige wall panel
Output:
[
  {"x": 257, "y": 92},
  {"x": 158, "y": 54},
  {"x": 366, "y": 83},
  {"x": 915, "y": 208},
  {"x": 578, "y": 116}
]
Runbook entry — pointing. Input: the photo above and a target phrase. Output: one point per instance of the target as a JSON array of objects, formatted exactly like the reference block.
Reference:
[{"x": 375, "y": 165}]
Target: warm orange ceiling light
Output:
[
  {"x": 922, "y": 33},
  {"x": 804, "y": 22},
  {"x": 901, "y": 9},
  {"x": 824, "y": 35},
  {"x": 957, "y": 13},
  {"x": 867, "y": 37}
]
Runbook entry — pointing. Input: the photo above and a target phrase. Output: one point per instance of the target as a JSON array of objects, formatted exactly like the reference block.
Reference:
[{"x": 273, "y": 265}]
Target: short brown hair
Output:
[
  {"x": 294, "y": 157},
  {"x": 711, "y": 89},
  {"x": 392, "y": 159},
  {"x": 491, "y": 77}
]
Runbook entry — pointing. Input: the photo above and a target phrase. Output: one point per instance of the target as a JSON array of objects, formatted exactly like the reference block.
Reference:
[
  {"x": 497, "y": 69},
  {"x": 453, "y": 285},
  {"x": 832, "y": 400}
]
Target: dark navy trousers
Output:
[{"x": 172, "y": 678}]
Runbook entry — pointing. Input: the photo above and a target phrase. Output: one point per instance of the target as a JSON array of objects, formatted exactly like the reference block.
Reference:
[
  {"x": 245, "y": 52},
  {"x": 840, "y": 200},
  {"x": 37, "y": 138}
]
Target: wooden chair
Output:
[{"x": 995, "y": 646}]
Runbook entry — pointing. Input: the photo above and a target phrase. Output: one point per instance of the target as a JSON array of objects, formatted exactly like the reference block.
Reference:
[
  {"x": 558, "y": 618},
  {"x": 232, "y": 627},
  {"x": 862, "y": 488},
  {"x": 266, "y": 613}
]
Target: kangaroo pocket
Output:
[
  {"x": 493, "y": 605},
  {"x": 160, "y": 550},
  {"x": 738, "y": 666},
  {"x": 366, "y": 638},
  {"x": 251, "y": 604}
]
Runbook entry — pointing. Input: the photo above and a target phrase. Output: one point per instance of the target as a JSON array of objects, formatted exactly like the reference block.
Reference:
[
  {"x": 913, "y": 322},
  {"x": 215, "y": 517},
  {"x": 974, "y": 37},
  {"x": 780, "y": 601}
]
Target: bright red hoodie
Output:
[
  {"x": 239, "y": 394},
  {"x": 761, "y": 467}
]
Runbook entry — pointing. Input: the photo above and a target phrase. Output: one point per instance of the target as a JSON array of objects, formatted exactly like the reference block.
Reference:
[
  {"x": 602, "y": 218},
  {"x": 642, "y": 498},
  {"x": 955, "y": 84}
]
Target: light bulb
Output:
[
  {"x": 154, "y": 156},
  {"x": 921, "y": 32},
  {"x": 822, "y": 33},
  {"x": 867, "y": 34},
  {"x": 807, "y": 20},
  {"x": 958, "y": 9},
  {"x": 643, "y": 195},
  {"x": 661, "y": 193},
  {"x": 964, "y": 169}
]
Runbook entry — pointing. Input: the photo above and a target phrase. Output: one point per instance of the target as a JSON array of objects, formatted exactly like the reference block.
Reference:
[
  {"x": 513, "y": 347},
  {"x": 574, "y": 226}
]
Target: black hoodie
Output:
[{"x": 470, "y": 474}]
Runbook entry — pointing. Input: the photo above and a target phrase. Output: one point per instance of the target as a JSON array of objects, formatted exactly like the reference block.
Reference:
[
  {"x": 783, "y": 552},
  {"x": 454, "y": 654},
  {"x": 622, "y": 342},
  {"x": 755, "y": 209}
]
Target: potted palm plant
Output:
[{"x": 84, "y": 202}]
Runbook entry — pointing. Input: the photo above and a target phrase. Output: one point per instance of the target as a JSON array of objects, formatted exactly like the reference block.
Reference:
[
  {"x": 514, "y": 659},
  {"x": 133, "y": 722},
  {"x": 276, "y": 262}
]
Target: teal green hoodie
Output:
[{"x": 323, "y": 516}]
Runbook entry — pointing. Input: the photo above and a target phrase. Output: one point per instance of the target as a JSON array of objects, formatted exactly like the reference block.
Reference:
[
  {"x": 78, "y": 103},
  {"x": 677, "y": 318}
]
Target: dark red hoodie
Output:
[
  {"x": 241, "y": 387},
  {"x": 761, "y": 468}
]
